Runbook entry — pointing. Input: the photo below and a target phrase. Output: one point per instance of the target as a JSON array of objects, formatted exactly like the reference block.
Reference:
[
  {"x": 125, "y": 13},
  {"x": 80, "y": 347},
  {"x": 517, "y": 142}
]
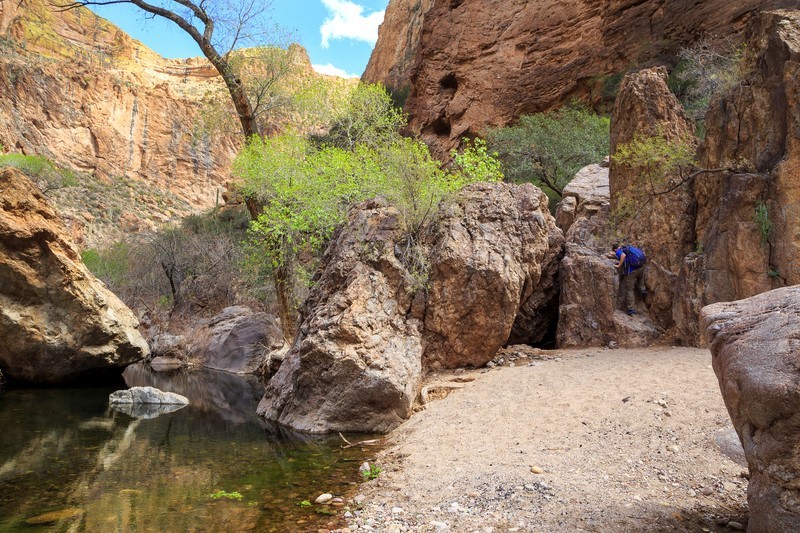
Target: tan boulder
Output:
[
  {"x": 474, "y": 64},
  {"x": 493, "y": 275},
  {"x": 356, "y": 362},
  {"x": 755, "y": 346},
  {"x": 57, "y": 321},
  {"x": 663, "y": 226},
  {"x": 590, "y": 301}
]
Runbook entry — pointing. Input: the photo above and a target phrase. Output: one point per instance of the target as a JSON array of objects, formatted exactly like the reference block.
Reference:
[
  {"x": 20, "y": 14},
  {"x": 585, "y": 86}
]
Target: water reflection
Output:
[{"x": 68, "y": 462}]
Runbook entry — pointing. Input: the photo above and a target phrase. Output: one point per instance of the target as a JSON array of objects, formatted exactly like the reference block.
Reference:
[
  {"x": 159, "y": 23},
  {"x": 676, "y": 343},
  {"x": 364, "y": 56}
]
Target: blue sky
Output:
[{"x": 338, "y": 34}]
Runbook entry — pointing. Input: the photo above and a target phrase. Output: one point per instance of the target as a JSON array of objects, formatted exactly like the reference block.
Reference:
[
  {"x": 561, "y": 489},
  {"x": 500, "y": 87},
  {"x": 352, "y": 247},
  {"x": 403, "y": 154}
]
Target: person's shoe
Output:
[
  {"x": 643, "y": 292},
  {"x": 630, "y": 312}
]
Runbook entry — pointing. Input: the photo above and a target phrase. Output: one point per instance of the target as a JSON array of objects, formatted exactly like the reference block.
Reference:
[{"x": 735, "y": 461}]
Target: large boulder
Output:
[
  {"x": 236, "y": 340},
  {"x": 493, "y": 278},
  {"x": 57, "y": 321},
  {"x": 590, "y": 300},
  {"x": 755, "y": 345},
  {"x": 356, "y": 362}
]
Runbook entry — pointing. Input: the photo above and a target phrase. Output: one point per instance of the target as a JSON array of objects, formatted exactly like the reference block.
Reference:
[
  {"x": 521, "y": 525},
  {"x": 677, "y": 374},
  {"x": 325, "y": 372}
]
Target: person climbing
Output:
[{"x": 630, "y": 263}]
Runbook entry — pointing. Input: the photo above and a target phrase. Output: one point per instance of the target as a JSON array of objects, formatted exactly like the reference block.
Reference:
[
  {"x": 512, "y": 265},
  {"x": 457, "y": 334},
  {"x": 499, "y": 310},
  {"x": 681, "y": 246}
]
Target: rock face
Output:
[
  {"x": 748, "y": 224},
  {"x": 356, "y": 362},
  {"x": 79, "y": 91},
  {"x": 590, "y": 302},
  {"x": 471, "y": 64},
  {"x": 493, "y": 278},
  {"x": 236, "y": 340},
  {"x": 369, "y": 331},
  {"x": 664, "y": 228},
  {"x": 399, "y": 36},
  {"x": 756, "y": 355},
  {"x": 57, "y": 321}
]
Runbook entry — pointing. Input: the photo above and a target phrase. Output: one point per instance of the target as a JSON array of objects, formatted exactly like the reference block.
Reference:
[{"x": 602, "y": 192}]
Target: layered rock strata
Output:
[
  {"x": 470, "y": 64},
  {"x": 755, "y": 344},
  {"x": 57, "y": 321}
]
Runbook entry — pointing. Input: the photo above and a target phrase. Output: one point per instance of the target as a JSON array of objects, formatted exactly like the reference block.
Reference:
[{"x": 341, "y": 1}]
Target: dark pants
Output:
[{"x": 630, "y": 283}]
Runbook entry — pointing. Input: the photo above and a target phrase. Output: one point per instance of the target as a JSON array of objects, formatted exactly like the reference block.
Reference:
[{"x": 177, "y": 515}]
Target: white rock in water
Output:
[
  {"x": 147, "y": 395},
  {"x": 324, "y": 498}
]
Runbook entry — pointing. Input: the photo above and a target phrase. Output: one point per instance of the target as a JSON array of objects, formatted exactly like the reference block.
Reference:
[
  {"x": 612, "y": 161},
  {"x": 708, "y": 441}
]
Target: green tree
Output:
[
  {"x": 549, "y": 148},
  {"x": 218, "y": 28},
  {"x": 306, "y": 187}
]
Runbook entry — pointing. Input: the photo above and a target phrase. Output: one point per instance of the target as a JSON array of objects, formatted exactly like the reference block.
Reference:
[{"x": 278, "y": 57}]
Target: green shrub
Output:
[
  {"x": 763, "y": 221},
  {"x": 548, "y": 149}
]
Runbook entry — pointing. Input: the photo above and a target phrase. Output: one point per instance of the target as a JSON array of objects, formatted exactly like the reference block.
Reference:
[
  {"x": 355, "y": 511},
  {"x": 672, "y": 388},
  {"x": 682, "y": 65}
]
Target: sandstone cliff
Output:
[
  {"x": 468, "y": 64},
  {"x": 79, "y": 91}
]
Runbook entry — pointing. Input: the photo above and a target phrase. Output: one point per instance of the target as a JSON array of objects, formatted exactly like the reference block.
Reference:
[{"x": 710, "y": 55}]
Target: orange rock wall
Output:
[{"x": 485, "y": 62}]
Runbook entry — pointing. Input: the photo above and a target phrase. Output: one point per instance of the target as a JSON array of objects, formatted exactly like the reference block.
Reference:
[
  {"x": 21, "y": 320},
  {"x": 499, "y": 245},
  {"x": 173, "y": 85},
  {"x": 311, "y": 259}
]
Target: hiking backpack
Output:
[{"x": 634, "y": 257}]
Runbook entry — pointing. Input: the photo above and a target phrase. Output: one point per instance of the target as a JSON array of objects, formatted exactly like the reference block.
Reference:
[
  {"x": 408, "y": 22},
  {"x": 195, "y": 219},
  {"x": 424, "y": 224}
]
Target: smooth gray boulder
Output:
[{"x": 146, "y": 395}]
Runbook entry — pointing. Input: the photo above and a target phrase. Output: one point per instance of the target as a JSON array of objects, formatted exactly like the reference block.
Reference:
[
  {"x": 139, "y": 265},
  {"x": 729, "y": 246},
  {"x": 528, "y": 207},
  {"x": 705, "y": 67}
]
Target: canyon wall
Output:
[{"x": 468, "y": 64}]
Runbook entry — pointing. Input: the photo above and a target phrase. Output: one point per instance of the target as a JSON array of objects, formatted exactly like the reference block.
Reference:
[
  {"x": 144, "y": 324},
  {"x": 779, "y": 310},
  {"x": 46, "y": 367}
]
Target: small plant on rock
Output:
[{"x": 763, "y": 221}]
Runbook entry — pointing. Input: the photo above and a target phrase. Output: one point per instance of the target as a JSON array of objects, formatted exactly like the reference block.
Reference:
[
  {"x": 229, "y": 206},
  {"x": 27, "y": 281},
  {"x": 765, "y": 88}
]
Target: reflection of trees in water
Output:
[
  {"x": 68, "y": 449},
  {"x": 231, "y": 397}
]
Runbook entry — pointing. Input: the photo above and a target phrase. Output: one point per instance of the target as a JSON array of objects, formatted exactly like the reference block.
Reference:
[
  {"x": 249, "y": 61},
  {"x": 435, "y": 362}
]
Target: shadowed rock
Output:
[
  {"x": 755, "y": 346},
  {"x": 236, "y": 340}
]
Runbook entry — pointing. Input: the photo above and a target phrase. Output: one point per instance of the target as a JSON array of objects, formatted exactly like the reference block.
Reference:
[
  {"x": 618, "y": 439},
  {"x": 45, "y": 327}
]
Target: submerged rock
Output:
[{"x": 57, "y": 321}]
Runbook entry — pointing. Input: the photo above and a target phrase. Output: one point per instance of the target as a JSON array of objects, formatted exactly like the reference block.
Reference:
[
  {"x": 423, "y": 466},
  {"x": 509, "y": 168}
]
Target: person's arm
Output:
[{"x": 621, "y": 261}]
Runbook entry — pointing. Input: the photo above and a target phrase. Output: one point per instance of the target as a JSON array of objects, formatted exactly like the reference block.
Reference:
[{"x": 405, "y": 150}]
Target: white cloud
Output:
[
  {"x": 347, "y": 21},
  {"x": 331, "y": 70}
]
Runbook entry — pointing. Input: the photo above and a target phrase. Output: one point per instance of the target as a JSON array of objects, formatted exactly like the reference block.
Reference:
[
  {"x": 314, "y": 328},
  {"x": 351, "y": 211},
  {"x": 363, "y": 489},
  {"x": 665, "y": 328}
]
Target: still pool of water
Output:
[{"x": 69, "y": 462}]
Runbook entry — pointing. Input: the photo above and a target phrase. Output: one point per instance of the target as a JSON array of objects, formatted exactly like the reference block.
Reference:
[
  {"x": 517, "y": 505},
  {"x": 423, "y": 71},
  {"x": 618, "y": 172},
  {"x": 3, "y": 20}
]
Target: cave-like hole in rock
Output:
[
  {"x": 441, "y": 126},
  {"x": 449, "y": 82}
]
